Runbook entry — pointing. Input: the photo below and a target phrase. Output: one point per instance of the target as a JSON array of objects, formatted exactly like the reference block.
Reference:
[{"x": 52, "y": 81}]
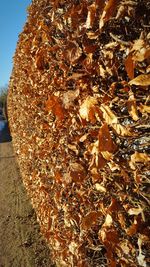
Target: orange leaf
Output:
[
  {"x": 129, "y": 66},
  {"x": 105, "y": 141},
  {"x": 90, "y": 219},
  {"x": 108, "y": 11},
  {"x": 132, "y": 229},
  {"x": 53, "y": 104},
  {"x": 101, "y": 161}
]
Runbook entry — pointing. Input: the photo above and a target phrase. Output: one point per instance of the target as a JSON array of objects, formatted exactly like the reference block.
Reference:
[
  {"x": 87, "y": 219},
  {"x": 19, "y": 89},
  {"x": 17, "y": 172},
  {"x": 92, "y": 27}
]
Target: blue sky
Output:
[{"x": 12, "y": 18}]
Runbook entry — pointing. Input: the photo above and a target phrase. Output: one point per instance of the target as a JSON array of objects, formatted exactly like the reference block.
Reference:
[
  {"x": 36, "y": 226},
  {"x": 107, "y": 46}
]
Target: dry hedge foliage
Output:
[{"x": 79, "y": 115}]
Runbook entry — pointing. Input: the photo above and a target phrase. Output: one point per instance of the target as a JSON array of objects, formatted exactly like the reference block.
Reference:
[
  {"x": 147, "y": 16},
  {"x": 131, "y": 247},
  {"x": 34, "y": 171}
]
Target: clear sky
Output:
[{"x": 12, "y": 18}]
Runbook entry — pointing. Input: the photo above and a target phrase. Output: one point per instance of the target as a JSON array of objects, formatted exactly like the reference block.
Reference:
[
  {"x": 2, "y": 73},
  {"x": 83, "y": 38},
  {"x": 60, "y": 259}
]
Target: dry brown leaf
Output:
[
  {"x": 95, "y": 152},
  {"x": 144, "y": 109},
  {"x": 108, "y": 12},
  {"x": 125, "y": 246},
  {"x": 108, "y": 221},
  {"x": 122, "y": 130},
  {"x": 138, "y": 157},
  {"x": 107, "y": 155},
  {"x": 91, "y": 16},
  {"x": 105, "y": 141},
  {"x": 100, "y": 188},
  {"x": 108, "y": 115},
  {"x": 129, "y": 66},
  {"x": 140, "y": 51},
  {"x": 86, "y": 106},
  {"x": 143, "y": 80},
  {"x": 135, "y": 211},
  {"x": 112, "y": 120},
  {"x": 68, "y": 97},
  {"x": 141, "y": 256},
  {"x": 92, "y": 35},
  {"x": 132, "y": 110},
  {"x": 75, "y": 76},
  {"x": 132, "y": 107},
  {"x": 132, "y": 230},
  {"x": 90, "y": 219}
]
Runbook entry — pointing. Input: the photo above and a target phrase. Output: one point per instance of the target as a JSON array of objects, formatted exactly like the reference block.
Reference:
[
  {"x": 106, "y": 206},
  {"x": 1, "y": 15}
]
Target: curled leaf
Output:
[
  {"x": 132, "y": 107},
  {"x": 86, "y": 106},
  {"x": 143, "y": 80},
  {"x": 140, "y": 50},
  {"x": 108, "y": 115},
  {"x": 108, "y": 12},
  {"x": 138, "y": 157},
  {"x": 69, "y": 97},
  {"x": 90, "y": 16},
  {"x": 73, "y": 51},
  {"x": 135, "y": 211},
  {"x": 141, "y": 257},
  {"x": 112, "y": 120},
  {"x": 144, "y": 108}
]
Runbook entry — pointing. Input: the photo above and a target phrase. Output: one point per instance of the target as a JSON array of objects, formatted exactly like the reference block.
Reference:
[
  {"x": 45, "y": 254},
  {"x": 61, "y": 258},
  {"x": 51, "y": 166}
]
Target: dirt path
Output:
[{"x": 21, "y": 244}]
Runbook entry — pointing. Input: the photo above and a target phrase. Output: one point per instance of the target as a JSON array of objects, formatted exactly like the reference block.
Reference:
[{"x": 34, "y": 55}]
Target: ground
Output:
[{"x": 21, "y": 244}]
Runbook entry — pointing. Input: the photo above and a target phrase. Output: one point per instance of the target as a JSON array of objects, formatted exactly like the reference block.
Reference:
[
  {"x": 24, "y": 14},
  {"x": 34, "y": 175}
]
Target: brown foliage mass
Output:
[{"x": 79, "y": 115}]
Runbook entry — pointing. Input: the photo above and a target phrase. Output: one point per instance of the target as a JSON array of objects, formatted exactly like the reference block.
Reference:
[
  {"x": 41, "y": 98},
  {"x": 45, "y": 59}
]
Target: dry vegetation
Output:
[{"x": 79, "y": 116}]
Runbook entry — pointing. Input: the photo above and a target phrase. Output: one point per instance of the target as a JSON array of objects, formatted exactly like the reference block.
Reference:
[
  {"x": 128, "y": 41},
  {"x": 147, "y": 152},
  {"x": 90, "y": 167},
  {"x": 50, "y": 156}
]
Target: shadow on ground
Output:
[{"x": 4, "y": 132}]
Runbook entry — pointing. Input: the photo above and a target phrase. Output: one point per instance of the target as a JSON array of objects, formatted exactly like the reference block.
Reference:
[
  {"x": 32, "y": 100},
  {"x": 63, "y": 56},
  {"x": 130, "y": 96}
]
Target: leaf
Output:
[
  {"x": 140, "y": 50},
  {"x": 72, "y": 51},
  {"x": 108, "y": 221},
  {"x": 129, "y": 66},
  {"x": 105, "y": 141},
  {"x": 108, "y": 12},
  {"x": 86, "y": 106},
  {"x": 73, "y": 247},
  {"x": 53, "y": 104},
  {"x": 125, "y": 246},
  {"x": 100, "y": 188},
  {"x": 112, "y": 120},
  {"x": 69, "y": 96},
  {"x": 101, "y": 161},
  {"x": 143, "y": 80},
  {"x": 58, "y": 176},
  {"x": 141, "y": 257},
  {"x": 144, "y": 109},
  {"x": 121, "y": 130},
  {"x": 91, "y": 16},
  {"x": 77, "y": 172},
  {"x": 132, "y": 230},
  {"x": 107, "y": 155},
  {"x": 138, "y": 157},
  {"x": 108, "y": 115},
  {"x": 90, "y": 219},
  {"x": 114, "y": 206},
  {"x": 132, "y": 107},
  {"x": 39, "y": 62},
  {"x": 135, "y": 211}
]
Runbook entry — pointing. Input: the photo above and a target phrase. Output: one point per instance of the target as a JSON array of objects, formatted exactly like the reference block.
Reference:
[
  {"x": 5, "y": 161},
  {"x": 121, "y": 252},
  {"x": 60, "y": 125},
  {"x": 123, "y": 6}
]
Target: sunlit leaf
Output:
[{"x": 143, "y": 80}]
